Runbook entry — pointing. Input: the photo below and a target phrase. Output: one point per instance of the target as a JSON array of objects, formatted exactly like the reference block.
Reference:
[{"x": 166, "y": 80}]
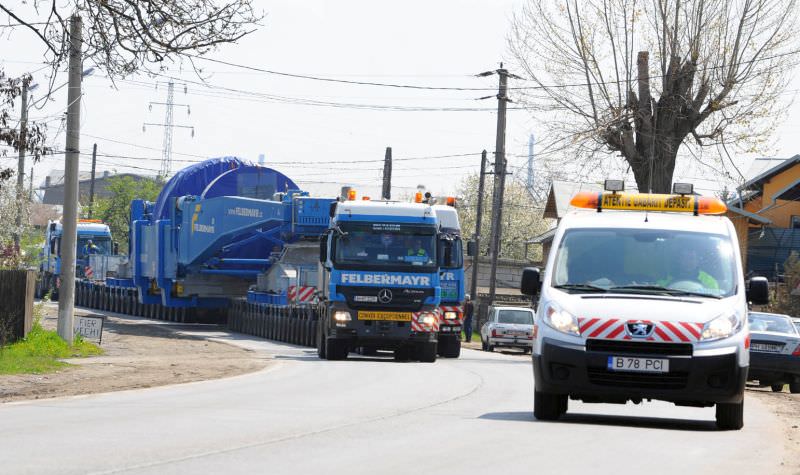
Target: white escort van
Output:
[{"x": 643, "y": 297}]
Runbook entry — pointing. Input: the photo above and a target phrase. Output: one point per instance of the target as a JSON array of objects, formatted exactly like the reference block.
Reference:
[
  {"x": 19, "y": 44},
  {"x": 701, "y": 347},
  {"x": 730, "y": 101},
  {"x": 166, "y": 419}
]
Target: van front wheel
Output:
[
  {"x": 547, "y": 406},
  {"x": 730, "y": 416}
]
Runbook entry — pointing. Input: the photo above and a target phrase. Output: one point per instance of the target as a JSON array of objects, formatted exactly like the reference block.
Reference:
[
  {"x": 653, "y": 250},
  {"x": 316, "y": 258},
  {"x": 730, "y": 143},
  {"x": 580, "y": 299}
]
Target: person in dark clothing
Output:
[{"x": 469, "y": 310}]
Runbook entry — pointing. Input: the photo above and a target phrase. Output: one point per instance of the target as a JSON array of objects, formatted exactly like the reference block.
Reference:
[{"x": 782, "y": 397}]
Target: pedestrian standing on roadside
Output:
[{"x": 469, "y": 309}]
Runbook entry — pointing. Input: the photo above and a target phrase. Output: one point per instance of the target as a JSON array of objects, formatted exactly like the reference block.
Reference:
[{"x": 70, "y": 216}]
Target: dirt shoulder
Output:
[
  {"x": 786, "y": 407},
  {"x": 138, "y": 354}
]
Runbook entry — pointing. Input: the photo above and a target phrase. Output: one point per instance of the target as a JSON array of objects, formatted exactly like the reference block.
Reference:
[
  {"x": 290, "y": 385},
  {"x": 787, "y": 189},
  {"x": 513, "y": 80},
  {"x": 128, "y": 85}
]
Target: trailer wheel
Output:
[
  {"x": 335, "y": 349},
  {"x": 320, "y": 343},
  {"x": 426, "y": 352}
]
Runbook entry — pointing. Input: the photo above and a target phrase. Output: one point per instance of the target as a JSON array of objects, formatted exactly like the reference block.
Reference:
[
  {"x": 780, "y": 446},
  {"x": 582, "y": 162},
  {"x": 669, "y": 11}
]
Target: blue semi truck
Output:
[
  {"x": 227, "y": 240},
  {"x": 380, "y": 280}
]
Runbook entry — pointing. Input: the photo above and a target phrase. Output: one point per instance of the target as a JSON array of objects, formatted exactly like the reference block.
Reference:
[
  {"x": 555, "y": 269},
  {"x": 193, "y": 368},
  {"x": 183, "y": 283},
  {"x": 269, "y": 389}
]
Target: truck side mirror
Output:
[
  {"x": 115, "y": 247},
  {"x": 531, "y": 282},
  {"x": 472, "y": 249},
  {"x": 758, "y": 291},
  {"x": 332, "y": 209},
  {"x": 323, "y": 248}
]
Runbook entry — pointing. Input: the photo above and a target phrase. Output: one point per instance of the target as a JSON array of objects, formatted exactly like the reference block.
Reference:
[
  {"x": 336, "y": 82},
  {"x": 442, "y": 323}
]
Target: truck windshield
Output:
[
  {"x": 407, "y": 246},
  {"x": 645, "y": 261},
  {"x": 101, "y": 245}
]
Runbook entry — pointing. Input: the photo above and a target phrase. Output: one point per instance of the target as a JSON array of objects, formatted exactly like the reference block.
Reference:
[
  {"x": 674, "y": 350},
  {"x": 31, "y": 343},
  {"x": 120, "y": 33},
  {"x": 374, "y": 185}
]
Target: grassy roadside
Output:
[{"x": 41, "y": 351}]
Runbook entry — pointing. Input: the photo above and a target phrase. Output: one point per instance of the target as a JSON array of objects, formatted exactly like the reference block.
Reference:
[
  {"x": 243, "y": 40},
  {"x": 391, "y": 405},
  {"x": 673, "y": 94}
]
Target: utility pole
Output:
[
  {"x": 473, "y": 288},
  {"x": 91, "y": 184},
  {"x": 500, "y": 179},
  {"x": 23, "y": 138},
  {"x": 529, "y": 182},
  {"x": 387, "y": 175},
  {"x": 30, "y": 190},
  {"x": 69, "y": 238}
]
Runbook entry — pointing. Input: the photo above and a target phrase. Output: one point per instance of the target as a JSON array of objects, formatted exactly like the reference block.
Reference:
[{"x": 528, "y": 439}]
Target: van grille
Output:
[{"x": 628, "y": 347}]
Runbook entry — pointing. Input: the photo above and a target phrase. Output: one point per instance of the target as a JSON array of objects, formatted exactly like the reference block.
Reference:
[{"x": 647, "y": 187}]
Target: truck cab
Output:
[
  {"x": 88, "y": 230},
  {"x": 643, "y": 298},
  {"x": 379, "y": 274},
  {"x": 451, "y": 272}
]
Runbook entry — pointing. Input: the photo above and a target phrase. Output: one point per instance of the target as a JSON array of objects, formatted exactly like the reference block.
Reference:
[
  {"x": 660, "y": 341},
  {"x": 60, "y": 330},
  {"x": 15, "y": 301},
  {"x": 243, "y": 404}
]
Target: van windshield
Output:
[{"x": 645, "y": 261}]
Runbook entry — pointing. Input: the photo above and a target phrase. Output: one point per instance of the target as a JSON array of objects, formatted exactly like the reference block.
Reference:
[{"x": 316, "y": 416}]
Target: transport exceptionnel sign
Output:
[{"x": 89, "y": 327}]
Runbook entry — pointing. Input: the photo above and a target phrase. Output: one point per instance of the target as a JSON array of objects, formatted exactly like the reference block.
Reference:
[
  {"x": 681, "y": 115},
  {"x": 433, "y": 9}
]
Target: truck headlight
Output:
[
  {"x": 450, "y": 315},
  {"x": 341, "y": 316},
  {"x": 562, "y": 321},
  {"x": 721, "y": 327},
  {"x": 427, "y": 319}
]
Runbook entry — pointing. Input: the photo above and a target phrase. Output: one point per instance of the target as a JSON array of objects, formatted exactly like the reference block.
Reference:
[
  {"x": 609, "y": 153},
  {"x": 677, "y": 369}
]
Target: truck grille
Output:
[
  {"x": 603, "y": 377},
  {"x": 628, "y": 347}
]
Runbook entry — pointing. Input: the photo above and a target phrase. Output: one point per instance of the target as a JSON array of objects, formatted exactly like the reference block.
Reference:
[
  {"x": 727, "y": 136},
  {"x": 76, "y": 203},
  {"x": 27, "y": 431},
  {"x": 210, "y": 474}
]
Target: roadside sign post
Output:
[{"x": 90, "y": 327}]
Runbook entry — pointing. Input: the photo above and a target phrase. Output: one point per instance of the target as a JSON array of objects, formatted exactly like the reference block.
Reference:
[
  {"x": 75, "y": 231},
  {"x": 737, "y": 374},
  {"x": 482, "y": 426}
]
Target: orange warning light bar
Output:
[
  {"x": 418, "y": 197},
  {"x": 351, "y": 195},
  {"x": 649, "y": 202},
  {"x": 365, "y": 198},
  {"x": 451, "y": 201}
]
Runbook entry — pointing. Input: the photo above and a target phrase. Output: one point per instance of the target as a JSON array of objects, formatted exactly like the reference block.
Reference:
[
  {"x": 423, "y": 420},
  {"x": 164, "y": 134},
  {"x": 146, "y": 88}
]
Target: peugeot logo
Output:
[
  {"x": 640, "y": 329},
  {"x": 385, "y": 296}
]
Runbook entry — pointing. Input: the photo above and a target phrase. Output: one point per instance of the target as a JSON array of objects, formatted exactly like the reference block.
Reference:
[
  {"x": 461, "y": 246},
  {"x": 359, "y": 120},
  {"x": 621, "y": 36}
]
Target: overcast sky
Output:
[{"x": 441, "y": 43}]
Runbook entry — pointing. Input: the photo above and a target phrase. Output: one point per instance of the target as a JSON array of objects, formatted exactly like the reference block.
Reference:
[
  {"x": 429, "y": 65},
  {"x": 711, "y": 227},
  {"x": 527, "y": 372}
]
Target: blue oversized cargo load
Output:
[{"x": 215, "y": 226}]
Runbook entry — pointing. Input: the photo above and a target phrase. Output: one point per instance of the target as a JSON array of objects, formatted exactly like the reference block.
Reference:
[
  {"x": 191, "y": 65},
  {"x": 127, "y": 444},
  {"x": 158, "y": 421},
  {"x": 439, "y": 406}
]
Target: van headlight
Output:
[
  {"x": 562, "y": 321},
  {"x": 721, "y": 327}
]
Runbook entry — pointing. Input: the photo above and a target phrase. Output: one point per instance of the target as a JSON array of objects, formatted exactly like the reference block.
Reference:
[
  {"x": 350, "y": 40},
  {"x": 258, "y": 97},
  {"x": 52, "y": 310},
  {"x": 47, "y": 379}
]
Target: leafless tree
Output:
[
  {"x": 120, "y": 37},
  {"x": 642, "y": 78}
]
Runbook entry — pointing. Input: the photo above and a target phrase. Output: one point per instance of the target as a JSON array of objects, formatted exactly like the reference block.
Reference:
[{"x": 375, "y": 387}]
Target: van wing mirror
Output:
[
  {"x": 758, "y": 291},
  {"x": 531, "y": 281}
]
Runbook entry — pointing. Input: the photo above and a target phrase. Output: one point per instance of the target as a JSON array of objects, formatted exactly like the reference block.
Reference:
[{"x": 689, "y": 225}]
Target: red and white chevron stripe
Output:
[
  {"x": 614, "y": 329},
  {"x": 300, "y": 294},
  {"x": 417, "y": 326},
  {"x": 451, "y": 308},
  {"x": 88, "y": 272}
]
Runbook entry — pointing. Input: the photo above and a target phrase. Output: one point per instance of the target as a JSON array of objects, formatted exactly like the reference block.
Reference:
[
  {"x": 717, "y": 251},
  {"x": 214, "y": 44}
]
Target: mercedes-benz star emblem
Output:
[
  {"x": 385, "y": 295},
  {"x": 640, "y": 329}
]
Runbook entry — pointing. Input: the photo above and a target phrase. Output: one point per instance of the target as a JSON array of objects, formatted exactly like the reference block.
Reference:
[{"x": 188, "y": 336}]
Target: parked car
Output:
[
  {"x": 510, "y": 327},
  {"x": 797, "y": 324},
  {"x": 774, "y": 351}
]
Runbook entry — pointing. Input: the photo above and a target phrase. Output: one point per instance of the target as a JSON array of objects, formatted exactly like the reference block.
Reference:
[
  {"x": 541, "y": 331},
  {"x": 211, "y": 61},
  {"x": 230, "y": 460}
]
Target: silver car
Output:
[
  {"x": 510, "y": 327},
  {"x": 774, "y": 351}
]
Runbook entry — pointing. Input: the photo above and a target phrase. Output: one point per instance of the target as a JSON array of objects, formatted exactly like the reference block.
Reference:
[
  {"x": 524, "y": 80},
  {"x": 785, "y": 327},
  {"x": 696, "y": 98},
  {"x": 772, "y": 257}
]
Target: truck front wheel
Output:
[
  {"x": 335, "y": 349},
  {"x": 426, "y": 352},
  {"x": 449, "y": 346},
  {"x": 730, "y": 416}
]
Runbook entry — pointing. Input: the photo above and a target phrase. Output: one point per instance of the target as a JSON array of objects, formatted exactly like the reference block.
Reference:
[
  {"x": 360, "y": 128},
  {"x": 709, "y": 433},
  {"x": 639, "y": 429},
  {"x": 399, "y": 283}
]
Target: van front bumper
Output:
[{"x": 691, "y": 380}]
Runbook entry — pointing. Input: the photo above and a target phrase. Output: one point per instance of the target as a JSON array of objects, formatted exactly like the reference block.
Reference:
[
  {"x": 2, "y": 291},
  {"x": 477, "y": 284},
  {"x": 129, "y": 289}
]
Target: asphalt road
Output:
[{"x": 372, "y": 416}]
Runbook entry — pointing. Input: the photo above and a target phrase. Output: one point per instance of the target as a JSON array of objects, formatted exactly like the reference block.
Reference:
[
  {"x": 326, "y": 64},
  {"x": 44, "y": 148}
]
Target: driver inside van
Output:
[{"x": 690, "y": 268}]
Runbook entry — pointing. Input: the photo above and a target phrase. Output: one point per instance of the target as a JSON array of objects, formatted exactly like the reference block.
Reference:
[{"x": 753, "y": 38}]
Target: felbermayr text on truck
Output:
[{"x": 643, "y": 298}]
